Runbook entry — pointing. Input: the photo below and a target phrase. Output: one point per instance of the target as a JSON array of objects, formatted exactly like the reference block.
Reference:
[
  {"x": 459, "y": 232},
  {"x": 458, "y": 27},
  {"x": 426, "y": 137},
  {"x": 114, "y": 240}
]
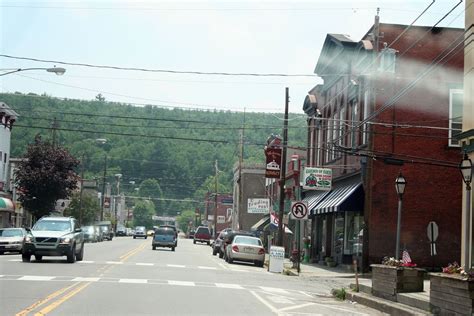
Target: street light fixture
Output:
[
  {"x": 57, "y": 70},
  {"x": 400, "y": 184},
  {"x": 466, "y": 171},
  {"x": 118, "y": 176}
]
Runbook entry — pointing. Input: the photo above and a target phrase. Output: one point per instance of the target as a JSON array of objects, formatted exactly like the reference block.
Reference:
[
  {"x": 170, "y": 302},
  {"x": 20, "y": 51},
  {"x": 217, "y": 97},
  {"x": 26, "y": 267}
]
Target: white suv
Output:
[{"x": 54, "y": 236}]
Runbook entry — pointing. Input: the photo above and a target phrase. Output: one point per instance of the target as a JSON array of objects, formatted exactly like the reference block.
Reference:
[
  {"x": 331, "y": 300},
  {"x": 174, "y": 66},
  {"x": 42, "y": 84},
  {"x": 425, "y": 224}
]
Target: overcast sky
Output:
[{"x": 263, "y": 37}]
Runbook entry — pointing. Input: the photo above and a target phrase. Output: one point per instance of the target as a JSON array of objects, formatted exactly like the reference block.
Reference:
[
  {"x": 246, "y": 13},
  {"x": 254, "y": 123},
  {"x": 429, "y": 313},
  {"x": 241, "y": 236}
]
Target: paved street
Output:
[{"x": 126, "y": 277}]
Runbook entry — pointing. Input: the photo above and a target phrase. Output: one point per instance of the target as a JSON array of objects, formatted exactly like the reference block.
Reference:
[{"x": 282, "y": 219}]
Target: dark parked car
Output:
[
  {"x": 202, "y": 235},
  {"x": 12, "y": 240},
  {"x": 91, "y": 233},
  {"x": 191, "y": 234},
  {"x": 106, "y": 231},
  {"x": 216, "y": 247}
]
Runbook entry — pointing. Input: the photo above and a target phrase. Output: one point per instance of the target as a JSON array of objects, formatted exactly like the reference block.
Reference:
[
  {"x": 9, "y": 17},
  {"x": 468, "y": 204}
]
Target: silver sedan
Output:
[
  {"x": 246, "y": 248},
  {"x": 12, "y": 239}
]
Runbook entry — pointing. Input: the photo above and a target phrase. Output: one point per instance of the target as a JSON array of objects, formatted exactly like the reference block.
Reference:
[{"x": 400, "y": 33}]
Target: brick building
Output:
[
  {"x": 224, "y": 209},
  {"x": 390, "y": 103}
]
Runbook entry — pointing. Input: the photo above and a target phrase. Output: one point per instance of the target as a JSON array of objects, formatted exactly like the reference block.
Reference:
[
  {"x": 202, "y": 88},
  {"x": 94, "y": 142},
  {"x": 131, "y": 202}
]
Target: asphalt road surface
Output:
[{"x": 126, "y": 277}]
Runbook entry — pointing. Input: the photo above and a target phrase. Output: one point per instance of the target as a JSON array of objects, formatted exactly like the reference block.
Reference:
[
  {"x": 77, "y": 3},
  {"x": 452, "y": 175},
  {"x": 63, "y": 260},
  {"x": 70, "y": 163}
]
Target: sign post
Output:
[{"x": 299, "y": 211}]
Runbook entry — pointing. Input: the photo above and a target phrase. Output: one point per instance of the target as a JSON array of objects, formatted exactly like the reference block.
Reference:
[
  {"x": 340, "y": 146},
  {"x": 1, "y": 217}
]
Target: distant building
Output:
[{"x": 224, "y": 209}]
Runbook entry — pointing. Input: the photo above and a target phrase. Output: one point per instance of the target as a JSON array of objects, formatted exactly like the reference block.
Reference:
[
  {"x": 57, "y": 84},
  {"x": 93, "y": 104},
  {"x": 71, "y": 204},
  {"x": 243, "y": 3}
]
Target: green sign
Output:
[{"x": 317, "y": 179}]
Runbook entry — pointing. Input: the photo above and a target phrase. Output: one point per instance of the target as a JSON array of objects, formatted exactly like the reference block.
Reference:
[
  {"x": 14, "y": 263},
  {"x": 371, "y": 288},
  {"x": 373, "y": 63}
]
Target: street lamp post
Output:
[
  {"x": 400, "y": 184},
  {"x": 466, "y": 171},
  {"x": 56, "y": 70}
]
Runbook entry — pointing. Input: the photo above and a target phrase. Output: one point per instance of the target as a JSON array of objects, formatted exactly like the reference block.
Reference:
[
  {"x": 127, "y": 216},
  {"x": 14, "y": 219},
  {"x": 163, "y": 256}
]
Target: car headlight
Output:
[
  {"x": 65, "y": 240},
  {"x": 28, "y": 239}
]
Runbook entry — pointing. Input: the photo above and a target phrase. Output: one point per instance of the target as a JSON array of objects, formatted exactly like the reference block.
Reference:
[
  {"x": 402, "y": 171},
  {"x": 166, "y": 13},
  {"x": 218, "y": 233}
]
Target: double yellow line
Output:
[
  {"x": 133, "y": 252},
  {"x": 75, "y": 288},
  {"x": 70, "y": 290}
]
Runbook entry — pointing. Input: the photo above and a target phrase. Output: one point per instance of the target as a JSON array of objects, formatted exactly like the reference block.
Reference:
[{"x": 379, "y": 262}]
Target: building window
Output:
[
  {"x": 455, "y": 115},
  {"x": 342, "y": 128},
  {"x": 387, "y": 60},
  {"x": 366, "y": 111},
  {"x": 353, "y": 121}
]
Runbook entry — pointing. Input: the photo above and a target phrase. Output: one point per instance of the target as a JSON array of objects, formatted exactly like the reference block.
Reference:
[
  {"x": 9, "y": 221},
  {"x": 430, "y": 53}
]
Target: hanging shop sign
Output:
[
  {"x": 273, "y": 160},
  {"x": 258, "y": 206},
  {"x": 317, "y": 179}
]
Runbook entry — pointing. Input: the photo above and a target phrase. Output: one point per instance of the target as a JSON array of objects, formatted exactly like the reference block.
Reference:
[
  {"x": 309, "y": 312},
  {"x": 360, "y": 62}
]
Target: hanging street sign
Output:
[
  {"x": 317, "y": 178},
  {"x": 299, "y": 210},
  {"x": 273, "y": 161}
]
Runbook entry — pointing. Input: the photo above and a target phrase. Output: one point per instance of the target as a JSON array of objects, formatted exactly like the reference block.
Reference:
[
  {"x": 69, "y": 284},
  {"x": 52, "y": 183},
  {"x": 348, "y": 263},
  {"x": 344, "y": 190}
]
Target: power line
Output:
[{"x": 156, "y": 70}]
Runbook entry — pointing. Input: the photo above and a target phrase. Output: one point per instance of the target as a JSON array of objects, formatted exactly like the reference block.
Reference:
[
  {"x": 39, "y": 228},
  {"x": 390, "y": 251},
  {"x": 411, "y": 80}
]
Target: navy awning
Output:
[
  {"x": 312, "y": 198},
  {"x": 347, "y": 196}
]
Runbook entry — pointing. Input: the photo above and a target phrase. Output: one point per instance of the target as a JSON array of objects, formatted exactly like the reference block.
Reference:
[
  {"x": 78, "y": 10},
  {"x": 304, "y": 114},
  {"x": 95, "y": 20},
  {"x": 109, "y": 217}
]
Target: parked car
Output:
[
  {"x": 228, "y": 238},
  {"x": 191, "y": 234},
  {"x": 164, "y": 237},
  {"x": 140, "y": 231},
  {"x": 12, "y": 240},
  {"x": 129, "y": 231},
  {"x": 54, "y": 236},
  {"x": 246, "y": 248},
  {"x": 216, "y": 247},
  {"x": 202, "y": 235},
  {"x": 91, "y": 233}
]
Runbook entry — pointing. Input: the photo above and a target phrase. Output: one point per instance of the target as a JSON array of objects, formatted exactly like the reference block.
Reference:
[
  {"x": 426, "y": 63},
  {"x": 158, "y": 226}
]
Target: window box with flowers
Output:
[
  {"x": 393, "y": 276},
  {"x": 452, "y": 291}
]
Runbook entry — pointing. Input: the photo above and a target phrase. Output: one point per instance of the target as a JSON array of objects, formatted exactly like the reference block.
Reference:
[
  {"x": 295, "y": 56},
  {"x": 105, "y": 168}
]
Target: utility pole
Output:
[
  {"x": 82, "y": 189},
  {"x": 54, "y": 126},
  {"x": 241, "y": 160},
  {"x": 283, "y": 170},
  {"x": 103, "y": 188},
  {"x": 215, "y": 205}
]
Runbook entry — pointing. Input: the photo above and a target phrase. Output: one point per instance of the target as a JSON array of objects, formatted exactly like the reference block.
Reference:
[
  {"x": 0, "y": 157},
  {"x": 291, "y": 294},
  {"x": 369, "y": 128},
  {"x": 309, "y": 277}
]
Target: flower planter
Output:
[
  {"x": 387, "y": 281},
  {"x": 451, "y": 294}
]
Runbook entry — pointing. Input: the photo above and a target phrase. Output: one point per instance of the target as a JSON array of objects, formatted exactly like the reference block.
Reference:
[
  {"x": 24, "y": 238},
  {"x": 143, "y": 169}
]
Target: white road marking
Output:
[
  {"x": 295, "y": 307},
  {"x": 82, "y": 279},
  {"x": 85, "y": 261},
  {"x": 140, "y": 281},
  {"x": 144, "y": 264},
  {"x": 36, "y": 278},
  {"x": 274, "y": 290},
  {"x": 223, "y": 266},
  {"x": 114, "y": 262},
  {"x": 273, "y": 309},
  {"x": 182, "y": 283},
  {"x": 15, "y": 260},
  {"x": 229, "y": 286},
  {"x": 176, "y": 266},
  {"x": 207, "y": 268},
  {"x": 304, "y": 293},
  {"x": 280, "y": 300},
  {"x": 1, "y": 276}
]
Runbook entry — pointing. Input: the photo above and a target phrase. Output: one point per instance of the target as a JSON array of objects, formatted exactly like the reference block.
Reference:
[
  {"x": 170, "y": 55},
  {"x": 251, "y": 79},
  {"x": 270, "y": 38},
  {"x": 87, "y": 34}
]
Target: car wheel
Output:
[
  {"x": 71, "y": 256},
  {"x": 214, "y": 252},
  {"x": 259, "y": 264},
  {"x": 25, "y": 257},
  {"x": 172, "y": 248},
  {"x": 80, "y": 256},
  {"x": 38, "y": 257},
  {"x": 194, "y": 242},
  {"x": 1, "y": 253},
  {"x": 208, "y": 243},
  {"x": 154, "y": 247},
  {"x": 230, "y": 260},
  {"x": 221, "y": 255}
]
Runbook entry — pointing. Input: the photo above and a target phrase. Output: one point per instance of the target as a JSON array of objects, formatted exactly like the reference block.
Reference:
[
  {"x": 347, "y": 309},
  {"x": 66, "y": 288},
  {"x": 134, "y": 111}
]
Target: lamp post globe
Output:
[
  {"x": 465, "y": 166},
  {"x": 466, "y": 169},
  {"x": 400, "y": 184}
]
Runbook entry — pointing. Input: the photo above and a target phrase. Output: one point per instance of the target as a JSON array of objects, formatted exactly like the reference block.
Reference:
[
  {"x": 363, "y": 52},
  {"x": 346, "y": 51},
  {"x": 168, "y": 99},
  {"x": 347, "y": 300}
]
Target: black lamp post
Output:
[
  {"x": 466, "y": 171},
  {"x": 400, "y": 184}
]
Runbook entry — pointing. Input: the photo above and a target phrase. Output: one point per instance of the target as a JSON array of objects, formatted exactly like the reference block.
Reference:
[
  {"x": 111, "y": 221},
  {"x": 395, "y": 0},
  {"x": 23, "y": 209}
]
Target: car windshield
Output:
[
  {"x": 164, "y": 232},
  {"x": 247, "y": 241},
  {"x": 202, "y": 230},
  {"x": 88, "y": 229},
  {"x": 11, "y": 233},
  {"x": 53, "y": 225},
  {"x": 140, "y": 229}
]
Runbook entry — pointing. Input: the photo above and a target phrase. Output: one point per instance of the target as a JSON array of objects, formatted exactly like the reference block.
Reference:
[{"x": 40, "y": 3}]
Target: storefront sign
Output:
[
  {"x": 258, "y": 206},
  {"x": 317, "y": 179},
  {"x": 220, "y": 219},
  {"x": 273, "y": 162},
  {"x": 277, "y": 256}
]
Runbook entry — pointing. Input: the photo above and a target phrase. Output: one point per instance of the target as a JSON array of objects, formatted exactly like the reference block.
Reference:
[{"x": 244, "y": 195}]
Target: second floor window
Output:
[{"x": 455, "y": 115}]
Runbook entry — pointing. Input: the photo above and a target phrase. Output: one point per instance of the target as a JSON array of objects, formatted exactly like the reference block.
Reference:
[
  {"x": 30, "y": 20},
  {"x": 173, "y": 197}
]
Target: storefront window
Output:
[
  {"x": 338, "y": 235},
  {"x": 353, "y": 233}
]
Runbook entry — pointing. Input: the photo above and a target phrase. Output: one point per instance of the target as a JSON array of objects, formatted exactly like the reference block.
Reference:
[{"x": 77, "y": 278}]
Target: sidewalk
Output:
[{"x": 408, "y": 303}]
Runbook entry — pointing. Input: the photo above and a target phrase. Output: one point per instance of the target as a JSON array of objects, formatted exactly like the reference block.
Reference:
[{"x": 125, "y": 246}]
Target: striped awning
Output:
[
  {"x": 260, "y": 225},
  {"x": 312, "y": 198},
  {"x": 336, "y": 198},
  {"x": 6, "y": 205}
]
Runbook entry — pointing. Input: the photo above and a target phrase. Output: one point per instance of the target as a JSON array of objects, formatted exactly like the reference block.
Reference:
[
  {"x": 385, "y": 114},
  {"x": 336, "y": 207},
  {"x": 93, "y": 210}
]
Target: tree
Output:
[
  {"x": 142, "y": 214},
  {"x": 45, "y": 175},
  {"x": 90, "y": 208},
  {"x": 184, "y": 219},
  {"x": 100, "y": 97},
  {"x": 151, "y": 188}
]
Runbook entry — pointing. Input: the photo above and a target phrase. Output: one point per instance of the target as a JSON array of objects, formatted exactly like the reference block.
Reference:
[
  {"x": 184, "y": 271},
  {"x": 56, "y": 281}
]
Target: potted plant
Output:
[
  {"x": 330, "y": 262},
  {"x": 452, "y": 291},
  {"x": 394, "y": 276}
]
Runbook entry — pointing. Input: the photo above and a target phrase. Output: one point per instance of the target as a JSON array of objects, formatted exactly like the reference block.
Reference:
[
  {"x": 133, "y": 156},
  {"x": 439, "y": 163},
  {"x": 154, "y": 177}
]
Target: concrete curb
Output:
[{"x": 383, "y": 305}]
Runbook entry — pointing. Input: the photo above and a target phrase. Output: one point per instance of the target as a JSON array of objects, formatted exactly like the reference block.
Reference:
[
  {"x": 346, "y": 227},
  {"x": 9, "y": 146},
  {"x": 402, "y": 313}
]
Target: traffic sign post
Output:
[{"x": 299, "y": 210}]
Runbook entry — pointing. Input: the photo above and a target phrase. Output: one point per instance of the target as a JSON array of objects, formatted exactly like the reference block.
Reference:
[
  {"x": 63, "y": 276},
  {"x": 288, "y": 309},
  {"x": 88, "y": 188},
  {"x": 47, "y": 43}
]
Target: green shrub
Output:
[{"x": 339, "y": 293}]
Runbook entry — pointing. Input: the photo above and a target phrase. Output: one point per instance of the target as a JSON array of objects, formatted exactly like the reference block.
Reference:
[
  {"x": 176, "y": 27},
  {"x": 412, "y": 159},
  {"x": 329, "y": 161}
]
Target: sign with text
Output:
[
  {"x": 273, "y": 159},
  {"x": 220, "y": 219},
  {"x": 317, "y": 179},
  {"x": 258, "y": 206}
]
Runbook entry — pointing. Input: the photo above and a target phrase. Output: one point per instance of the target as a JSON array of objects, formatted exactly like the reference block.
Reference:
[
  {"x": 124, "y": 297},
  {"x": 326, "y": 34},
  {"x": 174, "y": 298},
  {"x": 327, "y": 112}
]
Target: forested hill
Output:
[{"x": 175, "y": 146}]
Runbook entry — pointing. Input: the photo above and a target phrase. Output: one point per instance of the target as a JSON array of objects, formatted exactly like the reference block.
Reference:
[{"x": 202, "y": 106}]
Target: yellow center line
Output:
[
  {"x": 55, "y": 304},
  {"x": 45, "y": 300},
  {"x": 137, "y": 250}
]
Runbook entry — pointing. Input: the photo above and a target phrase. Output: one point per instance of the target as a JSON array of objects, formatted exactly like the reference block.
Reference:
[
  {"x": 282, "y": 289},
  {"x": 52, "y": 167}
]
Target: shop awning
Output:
[
  {"x": 338, "y": 196},
  {"x": 260, "y": 225},
  {"x": 312, "y": 198},
  {"x": 6, "y": 205}
]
